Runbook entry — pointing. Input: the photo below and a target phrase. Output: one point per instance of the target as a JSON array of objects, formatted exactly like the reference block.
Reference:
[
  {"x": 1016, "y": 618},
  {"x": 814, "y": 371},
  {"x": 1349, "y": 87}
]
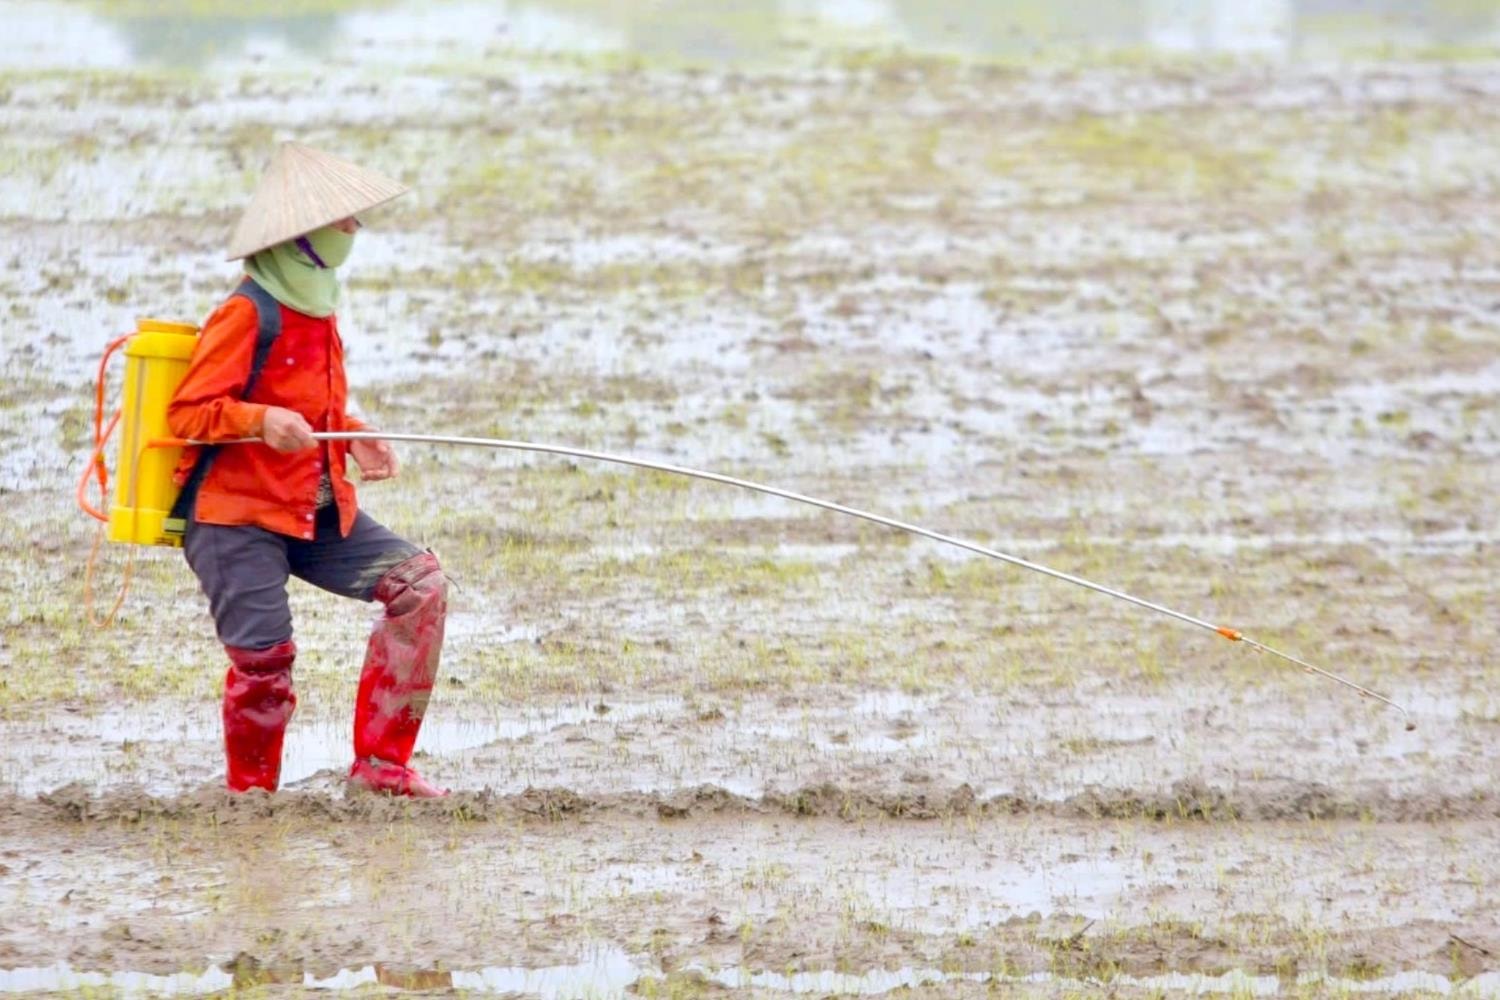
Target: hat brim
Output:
[{"x": 304, "y": 189}]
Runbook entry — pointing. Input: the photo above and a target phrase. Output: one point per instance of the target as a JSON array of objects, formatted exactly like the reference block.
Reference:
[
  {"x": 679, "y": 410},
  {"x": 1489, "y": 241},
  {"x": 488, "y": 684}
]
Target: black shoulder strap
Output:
[{"x": 267, "y": 329}]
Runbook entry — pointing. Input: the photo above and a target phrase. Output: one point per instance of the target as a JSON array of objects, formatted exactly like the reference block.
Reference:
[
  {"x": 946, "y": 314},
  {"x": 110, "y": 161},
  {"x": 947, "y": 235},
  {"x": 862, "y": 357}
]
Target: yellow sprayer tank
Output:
[{"x": 156, "y": 359}]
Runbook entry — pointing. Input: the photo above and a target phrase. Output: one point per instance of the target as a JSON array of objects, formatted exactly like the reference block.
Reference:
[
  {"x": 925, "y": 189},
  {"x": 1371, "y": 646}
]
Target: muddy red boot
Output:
[
  {"x": 373, "y": 775},
  {"x": 258, "y": 703},
  {"x": 401, "y": 665}
]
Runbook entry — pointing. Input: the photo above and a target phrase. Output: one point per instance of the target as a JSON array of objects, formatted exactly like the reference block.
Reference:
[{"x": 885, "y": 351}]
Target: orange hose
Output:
[
  {"x": 88, "y": 582},
  {"x": 96, "y": 461},
  {"x": 97, "y": 468},
  {"x": 101, "y": 436}
]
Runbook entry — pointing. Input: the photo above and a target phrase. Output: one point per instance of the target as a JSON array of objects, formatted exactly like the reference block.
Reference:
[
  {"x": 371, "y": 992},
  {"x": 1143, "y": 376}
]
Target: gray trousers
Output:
[{"x": 244, "y": 569}]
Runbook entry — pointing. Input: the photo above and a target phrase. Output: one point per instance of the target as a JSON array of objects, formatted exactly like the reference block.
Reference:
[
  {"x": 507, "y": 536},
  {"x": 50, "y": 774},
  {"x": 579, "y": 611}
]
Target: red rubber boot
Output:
[
  {"x": 401, "y": 665},
  {"x": 258, "y": 703}
]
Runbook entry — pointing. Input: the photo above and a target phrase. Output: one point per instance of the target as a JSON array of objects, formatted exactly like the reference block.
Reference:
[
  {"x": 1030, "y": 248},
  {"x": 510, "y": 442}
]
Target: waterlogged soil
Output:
[
  {"x": 1218, "y": 333},
  {"x": 949, "y": 839},
  {"x": 708, "y": 846},
  {"x": 294, "y": 887},
  {"x": 1092, "y": 751}
]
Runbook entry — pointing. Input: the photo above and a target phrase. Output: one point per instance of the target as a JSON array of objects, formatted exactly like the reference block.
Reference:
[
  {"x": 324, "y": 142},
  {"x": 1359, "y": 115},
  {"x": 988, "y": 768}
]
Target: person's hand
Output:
[
  {"x": 376, "y": 459},
  {"x": 286, "y": 430}
]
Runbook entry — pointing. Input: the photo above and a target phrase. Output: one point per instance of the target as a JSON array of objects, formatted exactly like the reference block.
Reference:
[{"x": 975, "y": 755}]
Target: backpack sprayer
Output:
[
  {"x": 156, "y": 359},
  {"x": 157, "y": 356}
]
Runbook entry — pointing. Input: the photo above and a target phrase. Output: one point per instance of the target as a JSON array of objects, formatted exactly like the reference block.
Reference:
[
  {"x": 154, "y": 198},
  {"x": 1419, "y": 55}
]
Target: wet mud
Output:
[
  {"x": 857, "y": 866},
  {"x": 876, "y": 755},
  {"x": 1217, "y": 332},
  {"x": 732, "y": 895},
  {"x": 1183, "y": 801}
]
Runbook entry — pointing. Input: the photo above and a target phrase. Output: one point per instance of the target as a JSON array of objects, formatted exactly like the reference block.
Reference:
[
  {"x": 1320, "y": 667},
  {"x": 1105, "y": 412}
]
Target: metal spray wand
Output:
[{"x": 1234, "y": 635}]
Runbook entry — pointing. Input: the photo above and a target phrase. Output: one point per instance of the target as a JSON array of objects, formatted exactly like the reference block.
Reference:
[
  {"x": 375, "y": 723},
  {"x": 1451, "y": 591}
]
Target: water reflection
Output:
[
  {"x": 1021, "y": 29},
  {"x": 744, "y": 31},
  {"x": 604, "y": 971},
  {"x": 199, "y": 34},
  {"x": 157, "y": 34},
  {"x": 607, "y": 971}
]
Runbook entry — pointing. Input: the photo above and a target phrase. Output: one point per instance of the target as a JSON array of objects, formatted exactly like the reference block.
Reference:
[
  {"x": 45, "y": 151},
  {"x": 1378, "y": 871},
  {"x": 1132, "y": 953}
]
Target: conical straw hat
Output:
[{"x": 305, "y": 189}]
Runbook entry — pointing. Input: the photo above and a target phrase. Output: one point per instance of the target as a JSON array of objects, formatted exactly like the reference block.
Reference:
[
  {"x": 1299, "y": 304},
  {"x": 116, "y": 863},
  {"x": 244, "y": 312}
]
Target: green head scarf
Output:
[{"x": 301, "y": 274}]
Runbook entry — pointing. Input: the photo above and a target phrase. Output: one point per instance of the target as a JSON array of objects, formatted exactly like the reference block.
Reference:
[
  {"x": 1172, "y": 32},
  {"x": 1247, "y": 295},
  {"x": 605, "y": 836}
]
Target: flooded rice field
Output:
[{"x": 1194, "y": 302}]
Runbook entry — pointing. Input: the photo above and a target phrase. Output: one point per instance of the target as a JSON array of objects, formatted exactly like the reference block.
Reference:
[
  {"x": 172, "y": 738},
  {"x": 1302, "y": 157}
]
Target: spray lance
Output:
[{"x": 140, "y": 515}]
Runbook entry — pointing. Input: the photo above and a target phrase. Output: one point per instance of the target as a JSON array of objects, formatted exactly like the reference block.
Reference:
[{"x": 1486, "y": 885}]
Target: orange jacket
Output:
[{"x": 304, "y": 371}]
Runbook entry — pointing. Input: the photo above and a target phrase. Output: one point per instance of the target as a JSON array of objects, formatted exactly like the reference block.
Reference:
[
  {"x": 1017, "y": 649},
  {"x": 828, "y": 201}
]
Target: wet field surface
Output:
[{"x": 1212, "y": 327}]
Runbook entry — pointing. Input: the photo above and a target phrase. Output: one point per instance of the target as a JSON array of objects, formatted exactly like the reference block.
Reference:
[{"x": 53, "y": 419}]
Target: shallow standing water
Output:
[{"x": 1193, "y": 299}]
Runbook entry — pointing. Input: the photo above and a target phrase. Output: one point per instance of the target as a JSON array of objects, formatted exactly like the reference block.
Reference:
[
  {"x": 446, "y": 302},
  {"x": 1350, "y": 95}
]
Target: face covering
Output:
[
  {"x": 300, "y": 273},
  {"x": 329, "y": 245}
]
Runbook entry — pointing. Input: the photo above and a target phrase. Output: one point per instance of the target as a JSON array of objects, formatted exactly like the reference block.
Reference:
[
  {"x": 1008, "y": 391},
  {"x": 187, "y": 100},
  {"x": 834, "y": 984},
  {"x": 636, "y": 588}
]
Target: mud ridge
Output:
[{"x": 1184, "y": 801}]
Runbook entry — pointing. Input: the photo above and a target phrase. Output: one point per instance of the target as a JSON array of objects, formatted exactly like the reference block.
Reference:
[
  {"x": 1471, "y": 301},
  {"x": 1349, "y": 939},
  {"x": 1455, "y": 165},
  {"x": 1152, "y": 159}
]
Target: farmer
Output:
[{"x": 269, "y": 365}]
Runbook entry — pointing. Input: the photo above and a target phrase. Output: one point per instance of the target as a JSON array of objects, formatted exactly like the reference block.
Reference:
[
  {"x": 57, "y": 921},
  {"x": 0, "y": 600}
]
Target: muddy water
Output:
[
  {"x": 795, "y": 845},
  {"x": 742, "y": 900},
  {"x": 1217, "y": 332},
  {"x": 1093, "y": 751},
  {"x": 612, "y": 974},
  {"x": 606, "y": 973},
  {"x": 116, "y": 36}
]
